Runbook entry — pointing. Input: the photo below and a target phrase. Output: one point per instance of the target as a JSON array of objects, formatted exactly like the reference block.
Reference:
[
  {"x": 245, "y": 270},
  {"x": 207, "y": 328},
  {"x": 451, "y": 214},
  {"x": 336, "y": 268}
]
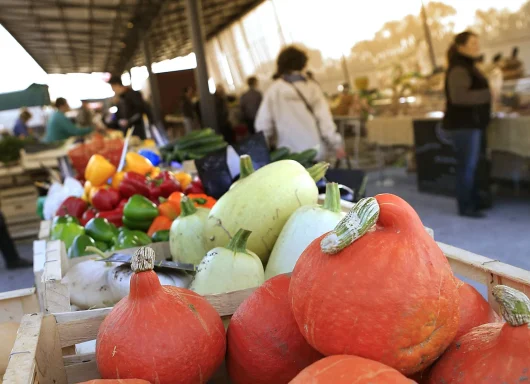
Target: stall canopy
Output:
[
  {"x": 66, "y": 36},
  {"x": 36, "y": 95}
]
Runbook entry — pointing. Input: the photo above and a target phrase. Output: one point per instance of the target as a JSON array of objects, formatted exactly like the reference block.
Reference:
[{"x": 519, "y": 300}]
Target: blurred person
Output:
[
  {"x": 21, "y": 128},
  {"x": 295, "y": 112},
  {"x": 9, "y": 250},
  {"x": 85, "y": 115},
  {"x": 131, "y": 108},
  {"x": 496, "y": 79},
  {"x": 60, "y": 127},
  {"x": 468, "y": 113},
  {"x": 345, "y": 103},
  {"x": 249, "y": 103},
  {"x": 223, "y": 114},
  {"x": 188, "y": 109},
  {"x": 513, "y": 67}
]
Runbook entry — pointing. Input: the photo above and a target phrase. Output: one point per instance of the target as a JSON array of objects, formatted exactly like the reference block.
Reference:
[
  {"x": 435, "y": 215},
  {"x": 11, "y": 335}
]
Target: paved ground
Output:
[{"x": 503, "y": 235}]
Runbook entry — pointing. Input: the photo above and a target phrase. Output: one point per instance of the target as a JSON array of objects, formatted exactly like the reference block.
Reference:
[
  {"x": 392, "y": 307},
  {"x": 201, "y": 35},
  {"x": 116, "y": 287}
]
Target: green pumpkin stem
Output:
[
  {"x": 514, "y": 305},
  {"x": 332, "y": 201},
  {"x": 186, "y": 207},
  {"x": 239, "y": 241},
  {"x": 361, "y": 218},
  {"x": 245, "y": 165},
  {"x": 318, "y": 171}
]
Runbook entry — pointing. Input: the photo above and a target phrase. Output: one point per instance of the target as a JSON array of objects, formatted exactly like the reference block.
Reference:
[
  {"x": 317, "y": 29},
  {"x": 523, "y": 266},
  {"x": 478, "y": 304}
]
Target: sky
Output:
[{"x": 332, "y": 26}]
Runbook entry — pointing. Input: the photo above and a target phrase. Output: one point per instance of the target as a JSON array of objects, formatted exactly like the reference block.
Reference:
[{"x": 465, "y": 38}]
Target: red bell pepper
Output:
[
  {"x": 106, "y": 199},
  {"x": 195, "y": 187},
  {"x": 115, "y": 216},
  {"x": 133, "y": 184},
  {"x": 163, "y": 185},
  {"x": 88, "y": 215},
  {"x": 72, "y": 206}
]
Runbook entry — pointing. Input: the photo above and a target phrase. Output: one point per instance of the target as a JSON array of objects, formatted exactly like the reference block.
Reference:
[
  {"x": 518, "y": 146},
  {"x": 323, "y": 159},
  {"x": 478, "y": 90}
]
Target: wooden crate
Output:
[
  {"x": 37, "y": 356},
  {"x": 15, "y": 304},
  {"x": 19, "y": 206}
]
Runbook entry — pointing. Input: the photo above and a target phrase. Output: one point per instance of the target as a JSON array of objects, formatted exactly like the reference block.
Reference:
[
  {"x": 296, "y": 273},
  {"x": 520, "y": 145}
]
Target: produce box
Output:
[{"x": 37, "y": 356}]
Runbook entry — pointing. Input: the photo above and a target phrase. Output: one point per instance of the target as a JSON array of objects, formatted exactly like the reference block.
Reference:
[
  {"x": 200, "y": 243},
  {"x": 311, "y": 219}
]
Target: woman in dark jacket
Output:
[{"x": 467, "y": 115}]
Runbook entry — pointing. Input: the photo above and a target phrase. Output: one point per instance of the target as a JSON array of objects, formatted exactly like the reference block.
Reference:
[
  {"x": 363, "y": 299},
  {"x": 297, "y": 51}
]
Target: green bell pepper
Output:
[
  {"x": 140, "y": 208},
  {"x": 102, "y": 246},
  {"x": 64, "y": 220},
  {"x": 79, "y": 245},
  {"x": 162, "y": 235},
  {"x": 101, "y": 230},
  {"x": 66, "y": 232},
  {"x": 142, "y": 225},
  {"x": 131, "y": 239}
]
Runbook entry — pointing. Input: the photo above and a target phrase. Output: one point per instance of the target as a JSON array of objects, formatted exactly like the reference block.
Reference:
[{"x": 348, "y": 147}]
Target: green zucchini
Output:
[
  {"x": 308, "y": 155},
  {"x": 199, "y": 142},
  {"x": 279, "y": 154},
  {"x": 209, "y": 148},
  {"x": 195, "y": 135}
]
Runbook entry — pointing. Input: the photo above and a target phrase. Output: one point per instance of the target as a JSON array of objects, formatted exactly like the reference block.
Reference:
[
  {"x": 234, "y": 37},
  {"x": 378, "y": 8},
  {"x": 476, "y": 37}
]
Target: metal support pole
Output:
[
  {"x": 428, "y": 37},
  {"x": 207, "y": 102},
  {"x": 155, "y": 92}
]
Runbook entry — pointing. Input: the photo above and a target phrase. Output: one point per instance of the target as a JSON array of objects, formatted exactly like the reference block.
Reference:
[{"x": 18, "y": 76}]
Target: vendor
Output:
[
  {"x": 59, "y": 127},
  {"x": 21, "y": 125}
]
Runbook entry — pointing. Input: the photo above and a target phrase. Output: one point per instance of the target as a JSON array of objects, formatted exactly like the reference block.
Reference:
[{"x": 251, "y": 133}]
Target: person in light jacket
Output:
[
  {"x": 295, "y": 111},
  {"x": 467, "y": 115}
]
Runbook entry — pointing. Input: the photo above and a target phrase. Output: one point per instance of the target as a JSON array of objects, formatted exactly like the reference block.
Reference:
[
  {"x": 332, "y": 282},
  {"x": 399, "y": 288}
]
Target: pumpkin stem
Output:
[
  {"x": 186, "y": 207},
  {"x": 514, "y": 305},
  {"x": 318, "y": 171},
  {"x": 355, "y": 224},
  {"x": 143, "y": 260},
  {"x": 332, "y": 201},
  {"x": 239, "y": 241},
  {"x": 245, "y": 165}
]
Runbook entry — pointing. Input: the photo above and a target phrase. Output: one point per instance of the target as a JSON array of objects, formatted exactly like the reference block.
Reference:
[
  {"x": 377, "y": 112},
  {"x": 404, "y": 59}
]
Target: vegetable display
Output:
[
  {"x": 165, "y": 335},
  {"x": 410, "y": 313},
  {"x": 139, "y": 213},
  {"x": 99, "y": 170},
  {"x": 343, "y": 369},
  {"x": 66, "y": 233},
  {"x": 230, "y": 268},
  {"x": 306, "y": 158},
  {"x": 474, "y": 309},
  {"x": 262, "y": 203},
  {"x": 264, "y": 343},
  {"x": 117, "y": 381},
  {"x": 491, "y": 353},
  {"x": 78, "y": 247},
  {"x": 186, "y": 241},
  {"x": 305, "y": 225},
  {"x": 193, "y": 145}
]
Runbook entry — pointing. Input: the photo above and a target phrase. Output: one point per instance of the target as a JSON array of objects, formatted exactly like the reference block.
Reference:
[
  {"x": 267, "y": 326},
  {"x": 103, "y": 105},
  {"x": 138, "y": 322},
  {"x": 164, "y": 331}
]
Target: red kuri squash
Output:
[
  {"x": 116, "y": 381},
  {"x": 383, "y": 292},
  {"x": 474, "y": 310},
  {"x": 265, "y": 345},
  {"x": 162, "y": 334},
  {"x": 343, "y": 369},
  {"x": 491, "y": 353}
]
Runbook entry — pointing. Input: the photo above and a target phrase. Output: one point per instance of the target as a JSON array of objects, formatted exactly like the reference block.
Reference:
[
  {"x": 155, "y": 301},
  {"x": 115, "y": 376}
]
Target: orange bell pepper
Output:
[
  {"x": 154, "y": 172},
  {"x": 116, "y": 180},
  {"x": 137, "y": 163},
  {"x": 99, "y": 170},
  {"x": 175, "y": 198},
  {"x": 160, "y": 223},
  {"x": 202, "y": 200},
  {"x": 183, "y": 178},
  {"x": 169, "y": 209}
]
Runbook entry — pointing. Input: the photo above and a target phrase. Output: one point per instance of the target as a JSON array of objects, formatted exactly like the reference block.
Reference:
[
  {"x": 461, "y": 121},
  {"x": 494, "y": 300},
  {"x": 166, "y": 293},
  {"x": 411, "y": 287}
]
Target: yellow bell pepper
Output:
[
  {"x": 137, "y": 163},
  {"x": 149, "y": 143},
  {"x": 183, "y": 178},
  {"x": 116, "y": 180},
  {"x": 99, "y": 170},
  {"x": 154, "y": 172}
]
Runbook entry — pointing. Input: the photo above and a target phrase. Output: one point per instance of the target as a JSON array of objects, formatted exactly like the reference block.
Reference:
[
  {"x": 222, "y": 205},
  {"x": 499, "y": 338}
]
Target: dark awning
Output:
[
  {"x": 35, "y": 95},
  {"x": 105, "y": 35}
]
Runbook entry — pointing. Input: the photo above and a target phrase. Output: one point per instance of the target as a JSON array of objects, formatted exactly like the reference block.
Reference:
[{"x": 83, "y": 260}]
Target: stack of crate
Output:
[{"x": 19, "y": 206}]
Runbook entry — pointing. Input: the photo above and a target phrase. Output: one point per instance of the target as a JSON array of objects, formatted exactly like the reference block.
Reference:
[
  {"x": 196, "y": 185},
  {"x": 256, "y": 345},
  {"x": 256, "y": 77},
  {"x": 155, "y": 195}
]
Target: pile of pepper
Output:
[{"x": 124, "y": 209}]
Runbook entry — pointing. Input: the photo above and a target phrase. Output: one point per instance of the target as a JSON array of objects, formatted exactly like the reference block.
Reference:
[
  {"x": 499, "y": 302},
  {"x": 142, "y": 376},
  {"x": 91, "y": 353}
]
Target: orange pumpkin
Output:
[
  {"x": 343, "y": 369},
  {"x": 384, "y": 292},
  {"x": 116, "y": 381},
  {"x": 163, "y": 334},
  {"x": 491, "y": 353},
  {"x": 265, "y": 345},
  {"x": 474, "y": 310}
]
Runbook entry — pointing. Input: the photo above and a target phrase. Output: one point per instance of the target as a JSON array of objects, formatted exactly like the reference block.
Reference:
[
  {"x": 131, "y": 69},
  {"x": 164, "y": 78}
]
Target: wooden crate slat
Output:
[
  {"x": 15, "y": 304},
  {"x": 44, "y": 230},
  {"x": 22, "y": 364},
  {"x": 50, "y": 368},
  {"x": 39, "y": 260}
]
